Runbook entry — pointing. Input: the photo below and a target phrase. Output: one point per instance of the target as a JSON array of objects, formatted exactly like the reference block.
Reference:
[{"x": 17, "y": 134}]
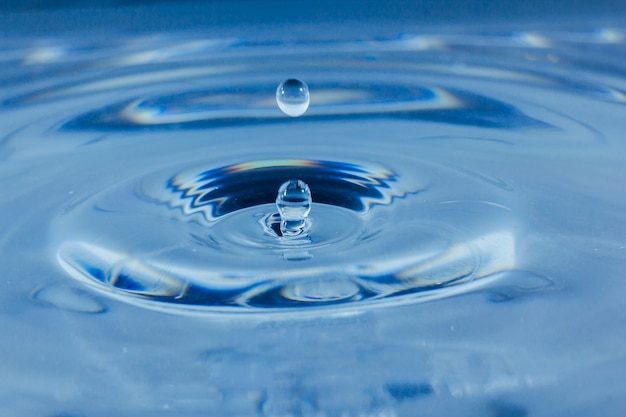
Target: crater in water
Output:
[
  {"x": 207, "y": 238},
  {"x": 223, "y": 190}
]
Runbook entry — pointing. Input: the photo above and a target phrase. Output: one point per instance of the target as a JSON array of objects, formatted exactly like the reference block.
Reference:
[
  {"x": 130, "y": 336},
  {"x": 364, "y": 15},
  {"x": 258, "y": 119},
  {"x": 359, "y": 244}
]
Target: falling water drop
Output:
[
  {"x": 292, "y": 97},
  {"x": 294, "y": 204}
]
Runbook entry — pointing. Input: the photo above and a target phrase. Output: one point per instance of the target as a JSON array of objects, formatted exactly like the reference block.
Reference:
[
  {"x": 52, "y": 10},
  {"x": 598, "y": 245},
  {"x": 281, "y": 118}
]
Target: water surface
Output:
[{"x": 466, "y": 240}]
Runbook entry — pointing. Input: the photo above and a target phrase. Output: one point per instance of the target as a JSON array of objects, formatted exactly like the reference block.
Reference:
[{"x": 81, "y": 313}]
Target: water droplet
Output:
[
  {"x": 294, "y": 204},
  {"x": 292, "y": 97}
]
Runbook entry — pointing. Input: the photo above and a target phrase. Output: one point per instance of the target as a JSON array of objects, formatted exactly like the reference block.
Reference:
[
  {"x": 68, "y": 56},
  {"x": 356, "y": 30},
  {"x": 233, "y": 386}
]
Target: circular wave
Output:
[
  {"x": 412, "y": 146},
  {"x": 200, "y": 239}
]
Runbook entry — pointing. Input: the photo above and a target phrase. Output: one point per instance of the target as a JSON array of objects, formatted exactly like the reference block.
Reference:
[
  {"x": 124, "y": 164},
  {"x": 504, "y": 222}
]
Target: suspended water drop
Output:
[
  {"x": 294, "y": 204},
  {"x": 292, "y": 97}
]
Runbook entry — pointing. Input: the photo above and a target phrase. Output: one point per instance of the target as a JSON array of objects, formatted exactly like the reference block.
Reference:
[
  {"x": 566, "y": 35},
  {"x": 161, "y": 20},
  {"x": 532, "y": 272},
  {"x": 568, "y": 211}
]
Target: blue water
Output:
[{"x": 464, "y": 250}]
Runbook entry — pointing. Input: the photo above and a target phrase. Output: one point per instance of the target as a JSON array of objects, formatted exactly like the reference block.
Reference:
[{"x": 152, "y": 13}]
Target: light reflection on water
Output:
[{"x": 466, "y": 245}]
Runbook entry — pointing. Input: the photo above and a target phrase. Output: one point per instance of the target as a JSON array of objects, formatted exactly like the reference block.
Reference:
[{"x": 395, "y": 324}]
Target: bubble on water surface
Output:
[{"x": 292, "y": 97}]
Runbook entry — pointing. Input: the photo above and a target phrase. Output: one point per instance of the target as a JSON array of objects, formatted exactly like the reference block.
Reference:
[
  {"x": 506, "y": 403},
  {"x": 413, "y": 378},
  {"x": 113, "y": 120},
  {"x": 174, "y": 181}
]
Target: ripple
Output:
[
  {"x": 249, "y": 105},
  {"x": 200, "y": 241},
  {"x": 466, "y": 184},
  {"x": 179, "y": 289},
  {"x": 482, "y": 80},
  {"x": 188, "y": 220},
  {"x": 220, "y": 191}
]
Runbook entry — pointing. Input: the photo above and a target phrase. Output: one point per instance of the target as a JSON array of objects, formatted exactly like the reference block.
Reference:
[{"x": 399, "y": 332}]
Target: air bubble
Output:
[
  {"x": 294, "y": 205},
  {"x": 292, "y": 97}
]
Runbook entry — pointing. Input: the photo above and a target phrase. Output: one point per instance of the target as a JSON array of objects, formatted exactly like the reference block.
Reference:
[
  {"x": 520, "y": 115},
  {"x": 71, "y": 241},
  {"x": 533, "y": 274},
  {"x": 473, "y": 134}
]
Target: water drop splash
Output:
[
  {"x": 294, "y": 205},
  {"x": 216, "y": 192},
  {"x": 370, "y": 241},
  {"x": 292, "y": 97}
]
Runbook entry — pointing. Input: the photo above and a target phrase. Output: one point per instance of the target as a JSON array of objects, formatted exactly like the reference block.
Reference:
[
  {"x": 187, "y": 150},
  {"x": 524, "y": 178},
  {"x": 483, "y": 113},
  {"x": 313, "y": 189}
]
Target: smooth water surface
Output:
[{"x": 442, "y": 231}]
